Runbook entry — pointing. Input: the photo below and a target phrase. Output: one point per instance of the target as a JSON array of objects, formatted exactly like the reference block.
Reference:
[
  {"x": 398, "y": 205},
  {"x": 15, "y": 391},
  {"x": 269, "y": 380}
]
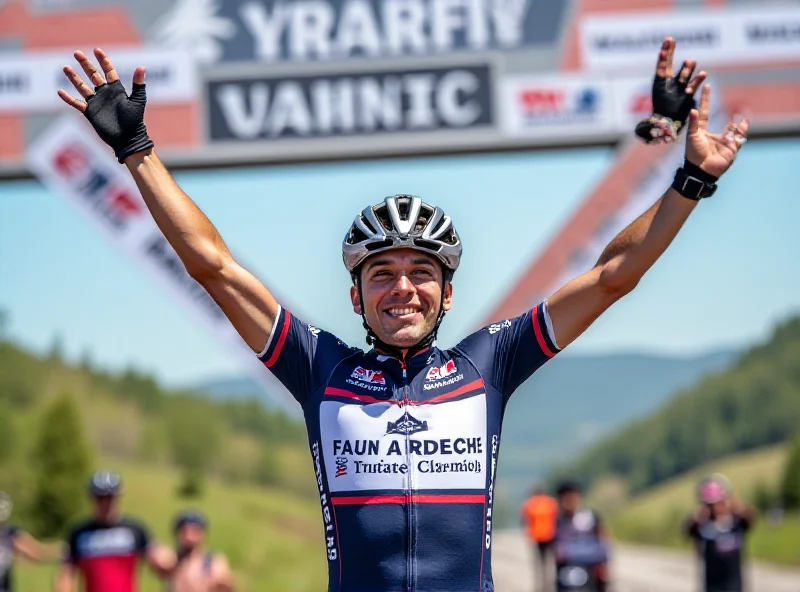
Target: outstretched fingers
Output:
[
  {"x": 138, "y": 75},
  {"x": 664, "y": 66},
  {"x": 105, "y": 63},
  {"x": 696, "y": 82},
  {"x": 705, "y": 102},
  {"x": 84, "y": 89},
  {"x": 686, "y": 71},
  {"x": 88, "y": 67},
  {"x": 71, "y": 101}
]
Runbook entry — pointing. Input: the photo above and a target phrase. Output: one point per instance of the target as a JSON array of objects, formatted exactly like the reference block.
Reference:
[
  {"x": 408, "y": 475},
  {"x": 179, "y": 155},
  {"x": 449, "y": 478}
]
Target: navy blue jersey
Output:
[
  {"x": 7, "y": 535},
  {"x": 405, "y": 453}
]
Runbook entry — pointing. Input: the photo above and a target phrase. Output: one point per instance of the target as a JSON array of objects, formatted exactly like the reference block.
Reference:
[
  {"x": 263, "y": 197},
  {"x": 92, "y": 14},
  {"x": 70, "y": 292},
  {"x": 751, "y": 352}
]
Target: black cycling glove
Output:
[
  {"x": 671, "y": 107},
  {"x": 119, "y": 119}
]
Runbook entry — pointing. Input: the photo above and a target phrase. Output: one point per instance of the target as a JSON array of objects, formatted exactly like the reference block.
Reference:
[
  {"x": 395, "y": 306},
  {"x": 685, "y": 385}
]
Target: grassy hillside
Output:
[
  {"x": 754, "y": 403},
  {"x": 655, "y": 516},
  {"x": 272, "y": 538},
  {"x": 260, "y": 492}
]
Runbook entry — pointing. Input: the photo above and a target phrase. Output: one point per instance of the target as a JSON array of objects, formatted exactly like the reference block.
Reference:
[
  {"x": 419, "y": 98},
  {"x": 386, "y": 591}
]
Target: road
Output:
[{"x": 634, "y": 569}]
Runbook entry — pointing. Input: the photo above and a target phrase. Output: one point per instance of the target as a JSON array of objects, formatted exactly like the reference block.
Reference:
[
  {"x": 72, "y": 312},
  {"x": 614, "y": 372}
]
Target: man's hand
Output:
[
  {"x": 713, "y": 153},
  {"x": 116, "y": 117},
  {"x": 673, "y": 97}
]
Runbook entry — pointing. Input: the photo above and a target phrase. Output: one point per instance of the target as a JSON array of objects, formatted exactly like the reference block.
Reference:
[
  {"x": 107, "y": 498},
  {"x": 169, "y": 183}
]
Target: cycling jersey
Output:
[
  {"x": 405, "y": 453},
  {"x": 720, "y": 544},
  {"x": 7, "y": 535},
  {"x": 578, "y": 539},
  {"x": 107, "y": 554}
]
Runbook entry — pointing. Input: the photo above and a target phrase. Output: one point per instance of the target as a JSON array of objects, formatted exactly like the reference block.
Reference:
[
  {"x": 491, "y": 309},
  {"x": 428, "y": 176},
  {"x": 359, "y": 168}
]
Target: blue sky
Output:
[{"x": 731, "y": 274}]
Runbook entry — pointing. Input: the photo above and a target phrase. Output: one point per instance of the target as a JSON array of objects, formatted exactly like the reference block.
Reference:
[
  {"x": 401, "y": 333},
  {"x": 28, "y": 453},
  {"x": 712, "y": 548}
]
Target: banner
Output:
[
  {"x": 556, "y": 106},
  {"x": 70, "y": 160},
  {"x": 615, "y": 41},
  {"x": 274, "y": 31},
  {"x": 29, "y": 82},
  {"x": 245, "y": 109}
]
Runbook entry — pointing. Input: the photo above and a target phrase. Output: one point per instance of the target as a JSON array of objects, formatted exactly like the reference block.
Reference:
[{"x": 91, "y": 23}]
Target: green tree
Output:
[
  {"x": 790, "y": 484},
  {"x": 193, "y": 433},
  {"x": 7, "y": 433},
  {"x": 62, "y": 463}
]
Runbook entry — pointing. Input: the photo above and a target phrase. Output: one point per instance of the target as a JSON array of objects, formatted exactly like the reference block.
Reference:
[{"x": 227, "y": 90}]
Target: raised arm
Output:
[
  {"x": 161, "y": 559},
  {"x": 119, "y": 121},
  {"x": 31, "y": 549},
  {"x": 65, "y": 578},
  {"x": 623, "y": 263},
  {"x": 221, "y": 575}
]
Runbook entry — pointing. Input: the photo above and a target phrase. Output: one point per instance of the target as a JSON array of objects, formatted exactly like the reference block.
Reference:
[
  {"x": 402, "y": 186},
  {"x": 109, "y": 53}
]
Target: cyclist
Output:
[
  {"x": 198, "y": 569},
  {"x": 538, "y": 514},
  {"x": 718, "y": 528},
  {"x": 404, "y": 438},
  {"x": 580, "y": 542},
  {"x": 107, "y": 548},
  {"x": 15, "y": 542}
]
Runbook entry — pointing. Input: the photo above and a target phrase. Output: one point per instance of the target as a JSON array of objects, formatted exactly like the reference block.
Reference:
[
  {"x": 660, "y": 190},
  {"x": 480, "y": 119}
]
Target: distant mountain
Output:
[
  {"x": 574, "y": 400},
  {"x": 565, "y": 407},
  {"x": 231, "y": 387}
]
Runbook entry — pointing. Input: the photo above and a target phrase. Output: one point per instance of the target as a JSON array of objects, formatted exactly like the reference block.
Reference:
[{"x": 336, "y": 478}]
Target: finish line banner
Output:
[{"x": 71, "y": 161}]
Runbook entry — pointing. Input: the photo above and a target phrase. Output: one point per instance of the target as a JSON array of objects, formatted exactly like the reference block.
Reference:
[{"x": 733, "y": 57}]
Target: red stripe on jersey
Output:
[
  {"x": 369, "y": 500},
  {"x": 475, "y": 384},
  {"x": 337, "y": 392},
  {"x": 538, "y": 331},
  {"x": 281, "y": 340}
]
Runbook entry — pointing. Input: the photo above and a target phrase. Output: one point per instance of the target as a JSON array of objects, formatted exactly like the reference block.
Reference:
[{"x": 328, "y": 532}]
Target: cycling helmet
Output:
[
  {"x": 6, "y": 505},
  {"x": 713, "y": 489},
  {"x": 105, "y": 483},
  {"x": 189, "y": 517},
  {"x": 401, "y": 221}
]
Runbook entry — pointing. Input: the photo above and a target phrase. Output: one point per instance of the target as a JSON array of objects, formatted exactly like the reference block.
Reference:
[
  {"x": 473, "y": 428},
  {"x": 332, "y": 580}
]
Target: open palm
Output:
[{"x": 713, "y": 153}]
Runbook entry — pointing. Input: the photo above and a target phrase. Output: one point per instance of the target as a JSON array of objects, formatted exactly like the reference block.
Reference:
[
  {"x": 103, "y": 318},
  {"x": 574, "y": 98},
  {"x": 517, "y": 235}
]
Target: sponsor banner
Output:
[
  {"x": 247, "y": 109},
  {"x": 272, "y": 31},
  {"x": 70, "y": 160},
  {"x": 632, "y": 102},
  {"x": 29, "y": 82},
  {"x": 380, "y": 446},
  {"x": 731, "y": 36},
  {"x": 556, "y": 105}
]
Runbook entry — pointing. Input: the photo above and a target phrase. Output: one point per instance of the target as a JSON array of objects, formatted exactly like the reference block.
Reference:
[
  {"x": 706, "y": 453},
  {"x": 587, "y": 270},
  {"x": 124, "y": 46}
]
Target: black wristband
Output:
[{"x": 695, "y": 171}]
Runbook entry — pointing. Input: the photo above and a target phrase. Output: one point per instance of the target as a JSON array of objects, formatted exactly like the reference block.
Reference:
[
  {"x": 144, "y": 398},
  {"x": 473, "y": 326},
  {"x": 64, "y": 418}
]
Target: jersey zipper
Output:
[{"x": 409, "y": 488}]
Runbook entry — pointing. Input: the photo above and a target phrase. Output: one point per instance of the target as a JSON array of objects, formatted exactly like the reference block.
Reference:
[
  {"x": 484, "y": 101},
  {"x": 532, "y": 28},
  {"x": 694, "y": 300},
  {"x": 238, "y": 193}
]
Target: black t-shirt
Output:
[
  {"x": 577, "y": 539},
  {"x": 7, "y": 535},
  {"x": 107, "y": 554},
  {"x": 720, "y": 547}
]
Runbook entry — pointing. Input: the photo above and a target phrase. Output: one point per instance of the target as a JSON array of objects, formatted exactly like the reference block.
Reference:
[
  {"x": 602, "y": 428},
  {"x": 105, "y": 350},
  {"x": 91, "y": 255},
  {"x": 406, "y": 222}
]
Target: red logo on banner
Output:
[
  {"x": 70, "y": 160},
  {"x": 539, "y": 100},
  {"x": 641, "y": 104}
]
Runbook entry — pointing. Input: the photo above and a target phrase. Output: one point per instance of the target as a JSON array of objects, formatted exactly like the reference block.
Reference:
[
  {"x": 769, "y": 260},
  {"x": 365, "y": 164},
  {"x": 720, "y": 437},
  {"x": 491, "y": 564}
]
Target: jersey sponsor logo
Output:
[
  {"x": 372, "y": 380},
  {"x": 111, "y": 541},
  {"x": 495, "y": 327},
  {"x": 391, "y": 448},
  {"x": 324, "y": 500},
  {"x": 490, "y": 505},
  {"x": 437, "y": 373},
  {"x": 313, "y": 330},
  {"x": 440, "y": 383},
  {"x": 407, "y": 425},
  {"x": 341, "y": 466}
]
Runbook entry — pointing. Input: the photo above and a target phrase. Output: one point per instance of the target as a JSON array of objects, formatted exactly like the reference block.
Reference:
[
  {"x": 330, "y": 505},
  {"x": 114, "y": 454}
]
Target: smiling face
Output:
[{"x": 401, "y": 289}]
